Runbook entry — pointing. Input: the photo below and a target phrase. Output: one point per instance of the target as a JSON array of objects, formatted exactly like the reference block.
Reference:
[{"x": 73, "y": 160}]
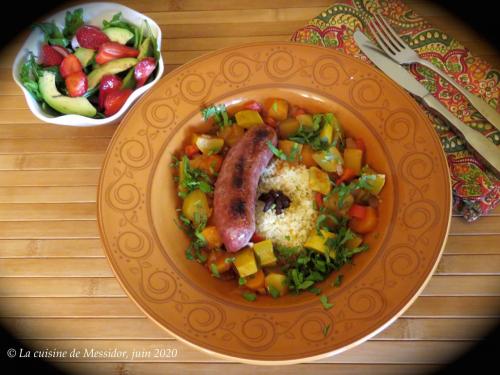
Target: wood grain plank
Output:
[
  {"x": 244, "y": 369},
  {"x": 51, "y": 161},
  {"x": 64, "y": 177},
  {"x": 425, "y": 352},
  {"x": 47, "y": 211},
  {"x": 48, "y": 229},
  {"x": 101, "y": 307},
  {"x": 12, "y": 101},
  {"x": 40, "y": 267},
  {"x": 56, "y": 145},
  {"x": 469, "y": 264},
  {"x": 46, "y": 194},
  {"x": 44, "y": 130},
  {"x": 213, "y": 43},
  {"x": 146, "y": 329},
  {"x": 472, "y": 285},
  {"x": 79, "y": 247},
  {"x": 486, "y": 225},
  {"x": 484, "y": 244}
]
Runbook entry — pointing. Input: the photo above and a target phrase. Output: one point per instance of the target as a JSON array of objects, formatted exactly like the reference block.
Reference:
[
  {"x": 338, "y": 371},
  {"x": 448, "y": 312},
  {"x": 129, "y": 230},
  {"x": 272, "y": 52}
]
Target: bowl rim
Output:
[
  {"x": 74, "y": 119},
  {"x": 302, "y": 360}
]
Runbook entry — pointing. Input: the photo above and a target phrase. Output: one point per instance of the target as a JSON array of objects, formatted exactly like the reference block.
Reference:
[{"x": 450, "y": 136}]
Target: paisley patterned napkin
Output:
[{"x": 475, "y": 190}]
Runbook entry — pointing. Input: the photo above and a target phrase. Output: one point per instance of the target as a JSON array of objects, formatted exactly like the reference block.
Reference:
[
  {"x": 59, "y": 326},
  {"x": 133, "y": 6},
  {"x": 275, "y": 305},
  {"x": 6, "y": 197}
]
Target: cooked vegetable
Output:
[
  {"x": 256, "y": 281},
  {"x": 354, "y": 242},
  {"x": 248, "y": 118},
  {"x": 305, "y": 120},
  {"x": 264, "y": 252},
  {"x": 367, "y": 224},
  {"x": 212, "y": 237},
  {"x": 231, "y": 134},
  {"x": 288, "y": 128},
  {"x": 375, "y": 184},
  {"x": 329, "y": 160},
  {"x": 219, "y": 262},
  {"x": 210, "y": 164},
  {"x": 278, "y": 282},
  {"x": 195, "y": 206},
  {"x": 307, "y": 156},
  {"x": 245, "y": 262},
  {"x": 319, "y": 181},
  {"x": 326, "y": 134},
  {"x": 353, "y": 159},
  {"x": 317, "y": 242},
  {"x": 291, "y": 150},
  {"x": 207, "y": 144},
  {"x": 339, "y": 204},
  {"x": 277, "y": 109}
]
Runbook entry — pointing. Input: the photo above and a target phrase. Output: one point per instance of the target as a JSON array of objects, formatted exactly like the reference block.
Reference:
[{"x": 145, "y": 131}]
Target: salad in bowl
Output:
[{"x": 87, "y": 65}]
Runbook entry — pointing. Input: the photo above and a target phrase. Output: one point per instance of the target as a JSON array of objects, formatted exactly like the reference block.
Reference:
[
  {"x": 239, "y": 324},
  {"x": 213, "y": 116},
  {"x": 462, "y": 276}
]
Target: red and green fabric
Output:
[{"x": 475, "y": 190}]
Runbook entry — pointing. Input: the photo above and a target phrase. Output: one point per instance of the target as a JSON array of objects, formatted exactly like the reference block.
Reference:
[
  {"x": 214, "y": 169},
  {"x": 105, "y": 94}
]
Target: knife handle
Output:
[{"x": 483, "y": 147}]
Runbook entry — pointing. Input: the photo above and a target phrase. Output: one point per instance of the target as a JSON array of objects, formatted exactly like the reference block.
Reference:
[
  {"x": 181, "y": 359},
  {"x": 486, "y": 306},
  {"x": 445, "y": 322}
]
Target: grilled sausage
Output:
[{"x": 236, "y": 186}]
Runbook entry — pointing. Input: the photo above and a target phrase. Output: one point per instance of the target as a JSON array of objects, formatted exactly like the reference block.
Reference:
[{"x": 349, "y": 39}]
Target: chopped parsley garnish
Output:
[
  {"x": 276, "y": 151},
  {"x": 214, "y": 270},
  {"x": 338, "y": 280},
  {"x": 193, "y": 178},
  {"x": 275, "y": 293},
  {"x": 308, "y": 135},
  {"x": 326, "y": 329},
  {"x": 219, "y": 113},
  {"x": 242, "y": 281},
  {"x": 324, "y": 301},
  {"x": 229, "y": 260},
  {"x": 249, "y": 296}
]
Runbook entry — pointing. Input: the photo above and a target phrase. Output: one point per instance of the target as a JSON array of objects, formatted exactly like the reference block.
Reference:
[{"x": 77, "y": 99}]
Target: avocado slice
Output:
[
  {"x": 85, "y": 55},
  {"x": 61, "y": 103},
  {"x": 129, "y": 80},
  {"x": 112, "y": 67},
  {"x": 118, "y": 34},
  {"x": 146, "y": 49}
]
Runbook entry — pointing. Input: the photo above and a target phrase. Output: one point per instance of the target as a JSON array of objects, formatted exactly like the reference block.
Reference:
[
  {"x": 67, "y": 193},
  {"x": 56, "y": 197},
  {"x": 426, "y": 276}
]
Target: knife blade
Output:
[{"x": 488, "y": 152}]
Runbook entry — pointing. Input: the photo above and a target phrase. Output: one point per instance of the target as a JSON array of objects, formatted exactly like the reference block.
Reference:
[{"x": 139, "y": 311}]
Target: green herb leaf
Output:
[
  {"x": 275, "y": 293},
  {"x": 230, "y": 260},
  {"x": 249, "y": 296},
  {"x": 276, "y": 151},
  {"x": 314, "y": 290},
  {"x": 326, "y": 329},
  {"x": 219, "y": 113},
  {"x": 214, "y": 270},
  {"x": 194, "y": 178},
  {"x": 338, "y": 280},
  {"x": 52, "y": 34},
  {"x": 324, "y": 301},
  {"x": 242, "y": 281},
  {"x": 30, "y": 72}
]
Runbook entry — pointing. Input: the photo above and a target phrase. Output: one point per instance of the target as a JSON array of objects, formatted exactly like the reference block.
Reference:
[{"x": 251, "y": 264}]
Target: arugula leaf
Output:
[
  {"x": 249, "y": 296},
  {"x": 276, "y": 151},
  {"x": 72, "y": 22},
  {"x": 219, "y": 113},
  {"x": 52, "y": 34},
  {"x": 275, "y": 293},
  {"x": 30, "y": 72},
  {"x": 324, "y": 301}
]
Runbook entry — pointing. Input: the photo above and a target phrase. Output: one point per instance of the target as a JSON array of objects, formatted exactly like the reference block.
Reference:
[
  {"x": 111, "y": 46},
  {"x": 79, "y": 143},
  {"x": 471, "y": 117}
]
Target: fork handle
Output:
[
  {"x": 488, "y": 152},
  {"x": 484, "y": 108}
]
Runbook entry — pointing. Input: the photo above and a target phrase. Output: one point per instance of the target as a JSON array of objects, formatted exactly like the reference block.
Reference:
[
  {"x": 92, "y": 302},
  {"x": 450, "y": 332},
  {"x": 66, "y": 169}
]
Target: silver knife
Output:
[{"x": 486, "y": 150}]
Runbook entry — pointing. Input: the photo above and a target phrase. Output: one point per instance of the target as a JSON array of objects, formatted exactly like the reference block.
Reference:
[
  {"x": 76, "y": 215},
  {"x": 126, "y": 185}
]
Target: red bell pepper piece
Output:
[
  {"x": 191, "y": 150},
  {"x": 76, "y": 84},
  {"x": 360, "y": 144},
  {"x": 109, "y": 83},
  {"x": 347, "y": 175},
  {"x": 253, "y": 105},
  {"x": 115, "y": 100},
  {"x": 70, "y": 65},
  {"x": 143, "y": 70},
  {"x": 318, "y": 198},
  {"x": 358, "y": 211},
  {"x": 112, "y": 50}
]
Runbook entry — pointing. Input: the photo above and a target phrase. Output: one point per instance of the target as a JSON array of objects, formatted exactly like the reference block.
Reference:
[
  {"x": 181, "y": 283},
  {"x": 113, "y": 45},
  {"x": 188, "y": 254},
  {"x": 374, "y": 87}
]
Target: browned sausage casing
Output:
[{"x": 236, "y": 186}]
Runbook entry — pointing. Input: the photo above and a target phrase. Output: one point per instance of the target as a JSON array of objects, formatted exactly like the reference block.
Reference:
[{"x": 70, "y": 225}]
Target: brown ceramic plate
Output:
[{"x": 137, "y": 201}]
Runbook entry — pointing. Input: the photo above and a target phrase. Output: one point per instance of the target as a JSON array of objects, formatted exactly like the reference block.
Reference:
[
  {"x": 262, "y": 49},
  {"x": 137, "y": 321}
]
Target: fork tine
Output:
[
  {"x": 384, "y": 33},
  {"x": 390, "y": 30},
  {"x": 380, "y": 41}
]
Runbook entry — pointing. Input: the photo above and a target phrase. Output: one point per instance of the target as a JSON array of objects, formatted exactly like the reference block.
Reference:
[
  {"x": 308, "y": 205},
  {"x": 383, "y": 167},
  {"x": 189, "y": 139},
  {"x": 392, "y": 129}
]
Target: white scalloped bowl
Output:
[{"x": 93, "y": 14}]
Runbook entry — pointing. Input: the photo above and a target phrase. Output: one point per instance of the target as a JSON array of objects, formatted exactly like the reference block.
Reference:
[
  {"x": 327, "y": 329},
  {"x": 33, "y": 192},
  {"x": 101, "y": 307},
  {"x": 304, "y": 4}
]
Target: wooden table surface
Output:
[{"x": 58, "y": 291}]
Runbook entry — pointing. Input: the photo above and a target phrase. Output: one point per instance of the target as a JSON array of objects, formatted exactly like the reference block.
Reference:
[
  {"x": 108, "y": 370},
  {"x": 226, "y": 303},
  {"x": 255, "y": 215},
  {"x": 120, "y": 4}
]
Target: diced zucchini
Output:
[
  {"x": 376, "y": 184},
  {"x": 317, "y": 242},
  {"x": 248, "y": 118},
  {"x": 264, "y": 252},
  {"x": 245, "y": 262},
  {"x": 326, "y": 134},
  {"x": 207, "y": 144},
  {"x": 195, "y": 206},
  {"x": 329, "y": 160},
  {"x": 319, "y": 181},
  {"x": 353, "y": 158},
  {"x": 278, "y": 282}
]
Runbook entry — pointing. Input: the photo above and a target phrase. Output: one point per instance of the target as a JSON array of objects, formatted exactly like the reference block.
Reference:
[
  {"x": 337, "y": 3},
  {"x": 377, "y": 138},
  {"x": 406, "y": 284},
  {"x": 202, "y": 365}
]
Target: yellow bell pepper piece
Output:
[
  {"x": 277, "y": 281},
  {"x": 248, "y": 118},
  {"x": 376, "y": 184},
  {"x": 353, "y": 159},
  {"x": 264, "y": 252},
  {"x": 317, "y": 242},
  {"x": 245, "y": 262},
  {"x": 326, "y": 134},
  {"x": 329, "y": 160},
  {"x": 319, "y": 181},
  {"x": 305, "y": 120},
  {"x": 195, "y": 206},
  {"x": 207, "y": 144},
  {"x": 212, "y": 237}
]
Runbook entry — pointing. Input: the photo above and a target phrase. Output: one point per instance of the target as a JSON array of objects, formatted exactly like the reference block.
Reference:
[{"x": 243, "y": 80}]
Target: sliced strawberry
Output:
[
  {"x": 76, "y": 84},
  {"x": 69, "y": 65},
  {"x": 63, "y": 51},
  {"x": 113, "y": 50},
  {"x": 109, "y": 83},
  {"x": 49, "y": 56},
  {"x": 90, "y": 37},
  {"x": 143, "y": 70},
  {"x": 115, "y": 100}
]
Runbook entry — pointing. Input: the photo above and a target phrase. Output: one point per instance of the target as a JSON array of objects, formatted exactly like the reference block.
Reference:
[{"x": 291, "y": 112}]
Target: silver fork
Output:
[{"x": 399, "y": 51}]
